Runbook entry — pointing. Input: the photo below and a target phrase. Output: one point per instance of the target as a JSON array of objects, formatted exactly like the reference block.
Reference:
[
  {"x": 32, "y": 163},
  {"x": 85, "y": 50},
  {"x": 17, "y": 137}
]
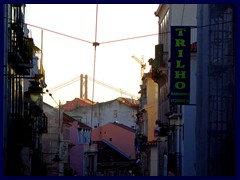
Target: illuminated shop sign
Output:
[{"x": 180, "y": 65}]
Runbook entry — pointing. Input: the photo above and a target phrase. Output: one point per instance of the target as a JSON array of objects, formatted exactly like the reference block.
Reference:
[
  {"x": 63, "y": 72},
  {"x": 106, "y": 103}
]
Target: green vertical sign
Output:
[{"x": 180, "y": 65}]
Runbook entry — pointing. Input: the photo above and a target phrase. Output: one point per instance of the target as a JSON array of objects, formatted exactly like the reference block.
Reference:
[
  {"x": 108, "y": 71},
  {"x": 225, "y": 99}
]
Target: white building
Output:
[{"x": 121, "y": 110}]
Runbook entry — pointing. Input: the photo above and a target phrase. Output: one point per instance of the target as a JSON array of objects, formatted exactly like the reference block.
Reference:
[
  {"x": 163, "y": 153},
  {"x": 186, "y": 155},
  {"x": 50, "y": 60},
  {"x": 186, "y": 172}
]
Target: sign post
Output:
[{"x": 180, "y": 65}]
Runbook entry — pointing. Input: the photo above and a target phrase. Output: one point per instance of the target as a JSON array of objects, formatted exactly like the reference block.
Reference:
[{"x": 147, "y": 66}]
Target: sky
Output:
[{"x": 65, "y": 58}]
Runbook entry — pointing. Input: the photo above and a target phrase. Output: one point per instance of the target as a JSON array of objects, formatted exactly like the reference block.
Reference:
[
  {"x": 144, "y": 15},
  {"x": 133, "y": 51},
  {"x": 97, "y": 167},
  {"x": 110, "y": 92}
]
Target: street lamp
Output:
[
  {"x": 35, "y": 124},
  {"x": 34, "y": 91},
  {"x": 163, "y": 131},
  {"x": 163, "y": 134}
]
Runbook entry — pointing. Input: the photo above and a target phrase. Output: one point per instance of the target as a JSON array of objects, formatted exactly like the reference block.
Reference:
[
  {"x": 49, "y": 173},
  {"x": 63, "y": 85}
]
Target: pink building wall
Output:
[
  {"x": 118, "y": 135},
  {"x": 76, "y": 152}
]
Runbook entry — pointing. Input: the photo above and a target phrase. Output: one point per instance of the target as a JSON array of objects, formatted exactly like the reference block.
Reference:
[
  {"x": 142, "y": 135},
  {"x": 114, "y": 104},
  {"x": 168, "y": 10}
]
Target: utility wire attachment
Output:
[{"x": 96, "y": 44}]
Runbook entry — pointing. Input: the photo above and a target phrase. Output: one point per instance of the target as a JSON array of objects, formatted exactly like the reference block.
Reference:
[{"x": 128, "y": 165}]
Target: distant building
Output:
[
  {"x": 122, "y": 110},
  {"x": 88, "y": 115}
]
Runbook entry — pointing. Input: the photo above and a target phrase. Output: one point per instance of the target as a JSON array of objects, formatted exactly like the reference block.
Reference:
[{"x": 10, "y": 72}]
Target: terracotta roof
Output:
[
  {"x": 127, "y": 102},
  {"x": 88, "y": 101},
  {"x": 75, "y": 103}
]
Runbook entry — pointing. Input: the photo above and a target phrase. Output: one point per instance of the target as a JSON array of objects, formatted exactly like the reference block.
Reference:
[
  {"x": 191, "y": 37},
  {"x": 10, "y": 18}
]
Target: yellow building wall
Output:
[{"x": 151, "y": 107}]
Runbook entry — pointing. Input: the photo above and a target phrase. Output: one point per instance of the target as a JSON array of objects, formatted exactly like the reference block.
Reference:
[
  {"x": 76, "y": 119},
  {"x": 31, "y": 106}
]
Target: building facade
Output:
[
  {"x": 146, "y": 118},
  {"x": 23, "y": 119},
  {"x": 177, "y": 121},
  {"x": 206, "y": 144},
  {"x": 82, "y": 150},
  {"x": 216, "y": 63},
  {"x": 51, "y": 140},
  {"x": 122, "y": 110}
]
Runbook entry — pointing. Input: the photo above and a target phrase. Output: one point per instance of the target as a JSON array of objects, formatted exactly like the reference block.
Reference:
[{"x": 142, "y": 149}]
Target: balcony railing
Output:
[
  {"x": 43, "y": 124},
  {"x": 21, "y": 50},
  {"x": 90, "y": 148},
  {"x": 159, "y": 66}
]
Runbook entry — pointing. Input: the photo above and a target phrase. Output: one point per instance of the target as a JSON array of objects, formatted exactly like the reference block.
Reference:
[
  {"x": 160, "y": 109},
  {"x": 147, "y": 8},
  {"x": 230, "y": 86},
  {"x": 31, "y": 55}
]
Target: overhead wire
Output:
[
  {"x": 112, "y": 41},
  {"x": 58, "y": 33},
  {"x": 117, "y": 40},
  {"x": 105, "y": 42},
  {"x": 123, "y": 39},
  {"x": 66, "y": 83}
]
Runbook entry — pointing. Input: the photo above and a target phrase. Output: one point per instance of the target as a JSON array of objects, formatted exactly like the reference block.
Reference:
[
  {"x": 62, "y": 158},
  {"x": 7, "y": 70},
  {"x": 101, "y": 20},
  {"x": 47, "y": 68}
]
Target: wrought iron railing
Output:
[{"x": 21, "y": 49}]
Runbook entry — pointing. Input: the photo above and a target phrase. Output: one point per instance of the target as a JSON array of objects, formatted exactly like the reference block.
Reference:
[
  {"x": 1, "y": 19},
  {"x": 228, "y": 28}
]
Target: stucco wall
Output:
[
  {"x": 76, "y": 152},
  {"x": 151, "y": 107},
  {"x": 120, "y": 137}
]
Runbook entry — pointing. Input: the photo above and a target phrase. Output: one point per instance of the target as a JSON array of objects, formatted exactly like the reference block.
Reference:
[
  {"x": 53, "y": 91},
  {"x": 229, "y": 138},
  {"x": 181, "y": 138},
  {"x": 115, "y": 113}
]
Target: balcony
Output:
[
  {"x": 175, "y": 112},
  {"x": 21, "y": 50},
  {"x": 43, "y": 124},
  {"x": 159, "y": 65},
  {"x": 93, "y": 148}
]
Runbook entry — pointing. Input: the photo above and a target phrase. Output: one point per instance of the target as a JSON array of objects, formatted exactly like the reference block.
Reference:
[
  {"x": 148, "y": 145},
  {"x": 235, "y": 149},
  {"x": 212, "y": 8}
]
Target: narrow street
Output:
[{"x": 119, "y": 89}]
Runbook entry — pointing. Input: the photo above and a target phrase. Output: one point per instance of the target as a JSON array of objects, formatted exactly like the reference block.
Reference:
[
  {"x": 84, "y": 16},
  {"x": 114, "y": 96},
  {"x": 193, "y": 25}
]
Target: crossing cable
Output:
[
  {"x": 58, "y": 33},
  {"x": 130, "y": 38},
  {"x": 124, "y": 39}
]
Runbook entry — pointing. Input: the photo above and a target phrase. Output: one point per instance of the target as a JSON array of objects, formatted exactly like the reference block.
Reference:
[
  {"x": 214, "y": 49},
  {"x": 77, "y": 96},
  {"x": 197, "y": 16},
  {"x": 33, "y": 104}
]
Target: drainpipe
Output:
[
  {"x": 5, "y": 88},
  {"x": 60, "y": 163},
  {"x": 182, "y": 148},
  {"x": 179, "y": 146},
  {"x": 158, "y": 141},
  {"x": 178, "y": 143}
]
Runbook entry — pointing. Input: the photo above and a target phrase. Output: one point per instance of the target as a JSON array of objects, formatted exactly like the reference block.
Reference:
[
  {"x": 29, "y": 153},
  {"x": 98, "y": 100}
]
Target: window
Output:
[
  {"x": 132, "y": 113},
  {"x": 115, "y": 113}
]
